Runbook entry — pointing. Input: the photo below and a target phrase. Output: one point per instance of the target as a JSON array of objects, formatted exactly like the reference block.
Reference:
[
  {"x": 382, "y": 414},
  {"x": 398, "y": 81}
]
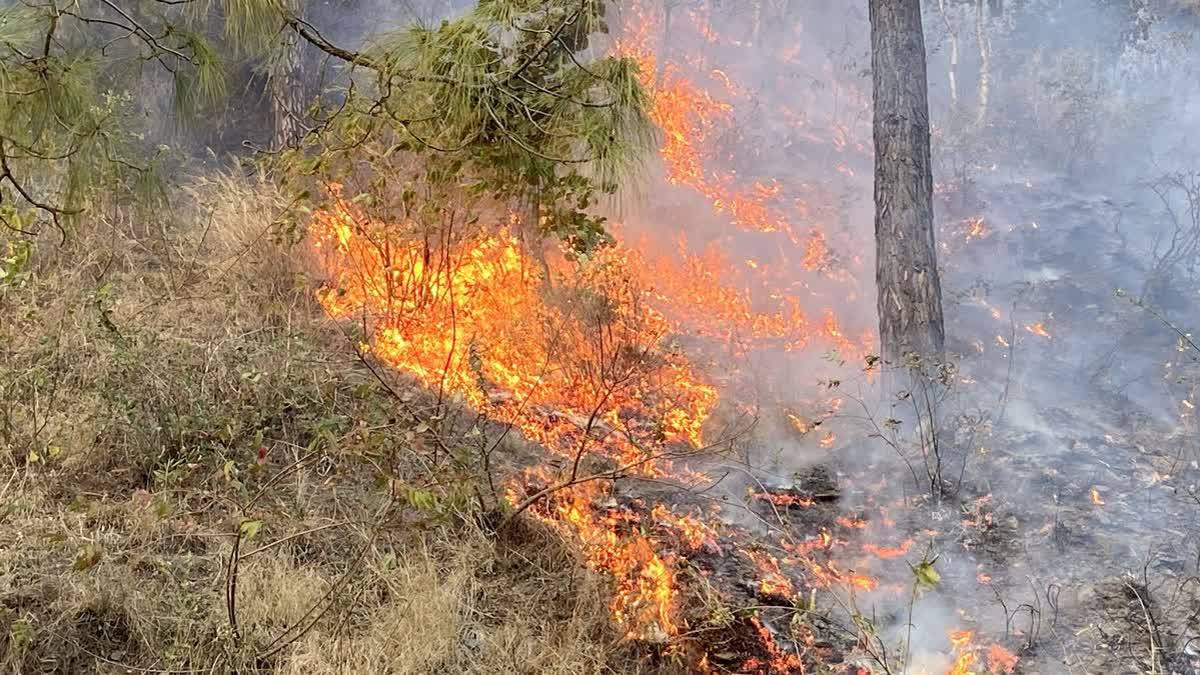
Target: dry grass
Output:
[{"x": 142, "y": 369}]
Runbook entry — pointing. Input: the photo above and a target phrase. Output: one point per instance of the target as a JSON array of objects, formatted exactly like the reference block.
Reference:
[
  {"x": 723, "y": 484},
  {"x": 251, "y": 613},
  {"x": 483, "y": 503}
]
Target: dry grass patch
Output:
[{"x": 166, "y": 377}]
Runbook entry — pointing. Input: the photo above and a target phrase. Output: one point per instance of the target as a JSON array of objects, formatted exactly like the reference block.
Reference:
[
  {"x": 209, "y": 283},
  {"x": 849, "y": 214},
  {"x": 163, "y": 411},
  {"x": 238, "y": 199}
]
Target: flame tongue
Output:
[
  {"x": 583, "y": 359},
  {"x": 610, "y": 539}
]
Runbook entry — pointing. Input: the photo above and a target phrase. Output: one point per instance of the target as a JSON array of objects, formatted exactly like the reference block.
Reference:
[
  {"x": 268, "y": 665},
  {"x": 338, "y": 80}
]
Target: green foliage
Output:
[
  {"x": 13, "y": 261},
  {"x": 504, "y": 102},
  {"x": 88, "y": 557},
  {"x": 72, "y": 133},
  {"x": 925, "y": 575},
  {"x": 203, "y": 85},
  {"x": 508, "y": 103},
  {"x": 249, "y": 528}
]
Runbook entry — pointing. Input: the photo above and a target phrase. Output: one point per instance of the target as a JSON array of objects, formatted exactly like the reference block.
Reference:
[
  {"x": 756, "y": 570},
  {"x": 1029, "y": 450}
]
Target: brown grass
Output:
[{"x": 142, "y": 367}]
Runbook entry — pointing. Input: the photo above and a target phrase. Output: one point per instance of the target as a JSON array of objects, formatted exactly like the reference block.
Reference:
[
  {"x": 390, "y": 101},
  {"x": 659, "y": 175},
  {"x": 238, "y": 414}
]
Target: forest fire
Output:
[
  {"x": 752, "y": 337},
  {"x": 1038, "y": 329},
  {"x": 972, "y": 659},
  {"x": 582, "y": 358}
]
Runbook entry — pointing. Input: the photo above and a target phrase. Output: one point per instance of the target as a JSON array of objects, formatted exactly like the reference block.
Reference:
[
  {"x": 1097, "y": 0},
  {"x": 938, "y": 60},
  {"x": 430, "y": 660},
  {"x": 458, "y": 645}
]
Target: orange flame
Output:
[
  {"x": 585, "y": 357},
  {"x": 1038, "y": 329}
]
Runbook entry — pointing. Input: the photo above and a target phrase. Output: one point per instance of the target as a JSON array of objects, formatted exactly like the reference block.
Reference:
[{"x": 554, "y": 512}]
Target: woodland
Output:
[{"x": 586, "y": 336}]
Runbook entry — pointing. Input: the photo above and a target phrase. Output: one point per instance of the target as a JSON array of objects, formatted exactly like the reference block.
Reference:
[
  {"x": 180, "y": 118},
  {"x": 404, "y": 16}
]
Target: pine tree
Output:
[{"x": 512, "y": 93}]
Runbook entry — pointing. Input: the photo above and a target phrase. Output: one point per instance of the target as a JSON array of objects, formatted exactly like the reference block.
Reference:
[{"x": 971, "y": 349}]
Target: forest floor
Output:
[
  {"x": 200, "y": 473},
  {"x": 181, "y": 425}
]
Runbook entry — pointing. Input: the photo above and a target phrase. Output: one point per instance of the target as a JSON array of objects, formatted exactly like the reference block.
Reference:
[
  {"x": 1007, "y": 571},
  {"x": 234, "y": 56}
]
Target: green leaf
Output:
[
  {"x": 20, "y": 634},
  {"x": 422, "y": 499},
  {"x": 925, "y": 574},
  {"x": 162, "y": 508},
  {"x": 87, "y": 557},
  {"x": 249, "y": 528}
]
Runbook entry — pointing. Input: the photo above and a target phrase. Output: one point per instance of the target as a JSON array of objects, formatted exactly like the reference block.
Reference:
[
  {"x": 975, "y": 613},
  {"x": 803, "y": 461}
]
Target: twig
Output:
[
  {"x": 231, "y": 577},
  {"x": 280, "y": 643},
  {"x": 277, "y": 542},
  {"x": 54, "y": 211},
  {"x": 1151, "y": 628},
  {"x": 613, "y": 474}
]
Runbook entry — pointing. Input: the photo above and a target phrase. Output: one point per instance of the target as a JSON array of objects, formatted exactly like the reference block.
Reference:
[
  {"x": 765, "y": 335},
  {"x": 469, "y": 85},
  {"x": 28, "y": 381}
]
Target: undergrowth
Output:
[{"x": 199, "y": 474}]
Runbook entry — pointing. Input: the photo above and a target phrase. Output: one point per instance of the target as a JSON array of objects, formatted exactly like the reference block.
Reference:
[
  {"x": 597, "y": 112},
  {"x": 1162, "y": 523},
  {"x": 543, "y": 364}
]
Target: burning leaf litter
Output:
[{"x": 581, "y": 357}]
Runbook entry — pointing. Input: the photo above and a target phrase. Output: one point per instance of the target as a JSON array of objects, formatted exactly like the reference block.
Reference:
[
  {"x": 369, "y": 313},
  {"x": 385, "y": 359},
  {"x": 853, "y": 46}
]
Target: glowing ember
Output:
[
  {"x": 772, "y": 582},
  {"x": 800, "y": 424},
  {"x": 783, "y": 499},
  {"x": 1038, "y": 329},
  {"x": 888, "y": 551},
  {"x": 976, "y": 228},
  {"x": 779, "y": 660},
  {"x": 1001, "y": 660}
]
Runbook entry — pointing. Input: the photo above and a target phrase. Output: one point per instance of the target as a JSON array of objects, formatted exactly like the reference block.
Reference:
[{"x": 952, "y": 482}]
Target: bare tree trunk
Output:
[
  {"x": 756, "y": 33},
  {"x": 287, "y": 90},
  {"x": 910, "y": 295},
  {"x": 952, "y": 73},
  {"x": 984, "y": 60}
]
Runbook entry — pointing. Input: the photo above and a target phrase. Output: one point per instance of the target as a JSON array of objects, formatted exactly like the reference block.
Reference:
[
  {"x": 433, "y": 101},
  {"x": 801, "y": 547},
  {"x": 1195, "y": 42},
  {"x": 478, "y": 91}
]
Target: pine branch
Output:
[
  {"x": 54, "y": 211},
  {"x": 311, "y": 35}
]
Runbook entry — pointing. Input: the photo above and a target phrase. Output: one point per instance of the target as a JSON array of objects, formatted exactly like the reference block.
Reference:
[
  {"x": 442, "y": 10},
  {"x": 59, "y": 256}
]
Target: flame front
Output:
[
  {"x": 581, "y": 357},
  {"x": 473, "y": 320}
]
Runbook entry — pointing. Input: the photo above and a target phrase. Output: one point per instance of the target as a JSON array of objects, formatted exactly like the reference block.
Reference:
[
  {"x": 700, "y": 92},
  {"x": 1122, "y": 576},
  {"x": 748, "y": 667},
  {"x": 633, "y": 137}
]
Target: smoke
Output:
[
  {"x": 1047, "y": 205},
  {"x": 1065, "y": 428}
]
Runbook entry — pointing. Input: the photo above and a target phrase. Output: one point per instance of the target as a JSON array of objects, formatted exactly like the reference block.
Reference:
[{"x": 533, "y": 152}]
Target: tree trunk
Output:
[
  {"x": 756, "y": 32},
  {"x": 952, "y": 72},
  {"x": 985, "y": 52},
  {"x": 910, "y": 295},
  {"x": 287, "y": 91}
]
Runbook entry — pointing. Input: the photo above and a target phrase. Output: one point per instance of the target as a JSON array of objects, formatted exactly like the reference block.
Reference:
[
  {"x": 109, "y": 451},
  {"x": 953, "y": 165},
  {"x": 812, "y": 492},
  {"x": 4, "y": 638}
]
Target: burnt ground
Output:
[
  {"x": 1074, "y": 536},
  {"x": 1071, "y": 538}
]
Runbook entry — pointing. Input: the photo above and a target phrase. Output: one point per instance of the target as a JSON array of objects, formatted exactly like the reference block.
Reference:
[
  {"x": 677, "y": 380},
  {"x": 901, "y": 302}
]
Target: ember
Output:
[{"x": 1038, "y": 329}]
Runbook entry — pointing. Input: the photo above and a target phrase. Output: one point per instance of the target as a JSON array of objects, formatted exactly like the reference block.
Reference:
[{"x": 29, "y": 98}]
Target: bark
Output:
[
  {"x": 984, "y": 62},
  {"x": 910, "y": 296},
  {"x": 287, "y": 91},
  {"x": 756, "y": 33},
  {"x": 952, "y": 72}
]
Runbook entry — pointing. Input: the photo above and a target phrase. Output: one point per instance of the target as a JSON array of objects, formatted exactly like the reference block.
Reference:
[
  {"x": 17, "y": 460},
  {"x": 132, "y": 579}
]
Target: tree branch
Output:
[
  {"x": 145, "y": 34},
  {"x": 613, "y": 474},
  {"x": 553, "y": 38},
  {"x": 310, "y": 34},
  {"x": 54, "y": 211}
]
